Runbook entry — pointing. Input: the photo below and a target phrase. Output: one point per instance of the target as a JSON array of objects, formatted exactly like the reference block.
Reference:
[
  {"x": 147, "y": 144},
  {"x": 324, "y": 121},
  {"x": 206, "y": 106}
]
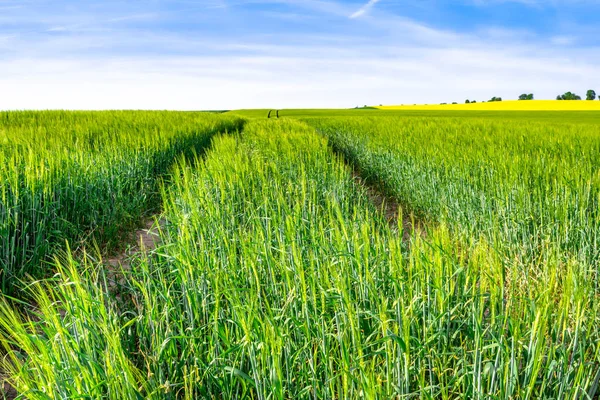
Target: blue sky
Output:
[{"x": 225, "y": 54}]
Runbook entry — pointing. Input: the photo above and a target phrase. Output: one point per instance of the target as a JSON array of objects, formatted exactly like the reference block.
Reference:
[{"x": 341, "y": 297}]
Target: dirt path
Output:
[
  {"x": 390, "y": 209},
  {"x": 146, "y": 238},
  {"x": 8, "y": 393},
  {"x": 142, "y": 240}
]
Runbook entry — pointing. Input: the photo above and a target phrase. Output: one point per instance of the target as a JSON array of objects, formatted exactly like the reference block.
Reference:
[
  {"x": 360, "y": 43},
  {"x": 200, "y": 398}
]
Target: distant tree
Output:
[
  {"x": 443, "y": 104},
  {"x": 467, "y": 101},
  {"x": 454, "y": 102},
  {"x": 474, "y": 101},
  {"x": 525, "y": 96},
  {"x": 568, "y": 96},
  {"x": 495, "y": 99},
  {"x": 590, "y": 95}
]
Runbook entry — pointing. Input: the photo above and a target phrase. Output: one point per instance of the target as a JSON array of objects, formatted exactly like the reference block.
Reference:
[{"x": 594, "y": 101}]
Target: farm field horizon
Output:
[
  {"x": 175, "y": 226},
  {"x": 322, "y": 254},
  {"x": 552, "y": 116},
  {"x": 505, "y": 105}
]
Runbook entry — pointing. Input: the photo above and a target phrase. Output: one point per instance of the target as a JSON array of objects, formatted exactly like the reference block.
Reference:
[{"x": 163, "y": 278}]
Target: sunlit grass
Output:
[
  {"x": 527, "y": 187},
  {"x": 277, "y": 278},
  {"x": 84, "y": 176}
]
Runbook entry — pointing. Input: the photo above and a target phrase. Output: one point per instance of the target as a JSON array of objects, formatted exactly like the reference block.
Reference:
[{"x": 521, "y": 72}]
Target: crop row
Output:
[
  {"x": 277, "y": 278},
  {"x": 84, "y": 176},
  {"x": 531, "y": 189}
]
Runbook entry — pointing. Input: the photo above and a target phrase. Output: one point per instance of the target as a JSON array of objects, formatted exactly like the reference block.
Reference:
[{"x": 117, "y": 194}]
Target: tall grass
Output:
[
  {"x": 81, "y": 176},
  {"x": 527, "y": 187},
  {"x": 278, "y": 279}
]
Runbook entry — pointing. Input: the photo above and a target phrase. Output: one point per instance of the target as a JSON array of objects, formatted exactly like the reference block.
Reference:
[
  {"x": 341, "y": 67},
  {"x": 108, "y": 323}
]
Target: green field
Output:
[
  {"x": 571, "y": 117},
  {"x": 85, "y": 176},
  {"x": 279, "y": 274}
]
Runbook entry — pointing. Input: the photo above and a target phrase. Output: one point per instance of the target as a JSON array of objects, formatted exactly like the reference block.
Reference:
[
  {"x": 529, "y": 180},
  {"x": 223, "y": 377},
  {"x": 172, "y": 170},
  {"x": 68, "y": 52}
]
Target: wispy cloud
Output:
[
  {"x": 190, "y": 54},
  {"x": 364, "y": 9},
  {"x": 290, "y": 76}
]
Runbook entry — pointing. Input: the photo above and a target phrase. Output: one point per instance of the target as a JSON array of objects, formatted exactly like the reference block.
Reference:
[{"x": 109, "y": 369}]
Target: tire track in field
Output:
[
  {"x": 144, "y": 239},
  {"x": 389, "y": 208},
  {"x": 387, "y": 205}
]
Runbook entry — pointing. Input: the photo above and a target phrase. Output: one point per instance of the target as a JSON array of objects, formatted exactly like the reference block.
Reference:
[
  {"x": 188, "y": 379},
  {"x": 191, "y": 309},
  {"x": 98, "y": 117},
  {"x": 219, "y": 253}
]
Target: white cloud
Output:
[
  {"x": 290, "y": 77},
  {"x": 398, "y": 60},
  {"x": 364, "y": 9}
]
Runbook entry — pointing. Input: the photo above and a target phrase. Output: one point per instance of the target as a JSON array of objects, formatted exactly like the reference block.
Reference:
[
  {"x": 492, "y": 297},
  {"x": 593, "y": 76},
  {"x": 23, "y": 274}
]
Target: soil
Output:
[
  {"x": 145, "y": 239},
  {"x": 7, "y": 391},
  {"x": 390, "y": 209}
]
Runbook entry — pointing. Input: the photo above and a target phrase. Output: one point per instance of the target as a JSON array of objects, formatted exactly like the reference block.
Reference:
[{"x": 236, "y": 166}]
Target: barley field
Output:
[
  {"x": 325, "y": 254},
  {"x": 84, "y": 176}
]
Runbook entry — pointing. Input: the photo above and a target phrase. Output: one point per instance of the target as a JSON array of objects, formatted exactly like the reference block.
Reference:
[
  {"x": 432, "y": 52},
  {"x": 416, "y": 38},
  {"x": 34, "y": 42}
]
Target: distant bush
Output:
[
  {"x": 526, "y": 96},
  {"x": 568, "y": 96}
]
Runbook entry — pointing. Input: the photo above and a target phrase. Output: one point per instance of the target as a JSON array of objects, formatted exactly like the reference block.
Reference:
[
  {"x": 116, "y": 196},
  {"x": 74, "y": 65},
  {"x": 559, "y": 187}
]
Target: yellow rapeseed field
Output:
[{"x": 513, "y": 105}]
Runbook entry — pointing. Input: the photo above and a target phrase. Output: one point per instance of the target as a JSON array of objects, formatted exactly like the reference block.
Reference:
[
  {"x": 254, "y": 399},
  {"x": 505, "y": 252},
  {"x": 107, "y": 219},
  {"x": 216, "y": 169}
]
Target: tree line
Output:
[{"x": 590, "y": 95}]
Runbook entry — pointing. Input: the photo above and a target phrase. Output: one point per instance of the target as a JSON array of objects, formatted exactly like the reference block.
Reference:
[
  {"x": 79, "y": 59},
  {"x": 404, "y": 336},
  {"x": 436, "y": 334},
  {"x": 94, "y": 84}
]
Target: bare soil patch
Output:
[
  {"x": 144, "y": 239},
  {"x": 390, "y": 209}
]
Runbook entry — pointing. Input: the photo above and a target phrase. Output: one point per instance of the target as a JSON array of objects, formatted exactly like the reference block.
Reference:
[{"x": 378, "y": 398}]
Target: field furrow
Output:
[
  {"x": 278, "y": 278},
  {"x": 85, "y": 177},
  {"x": 531, "y": 189}
]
